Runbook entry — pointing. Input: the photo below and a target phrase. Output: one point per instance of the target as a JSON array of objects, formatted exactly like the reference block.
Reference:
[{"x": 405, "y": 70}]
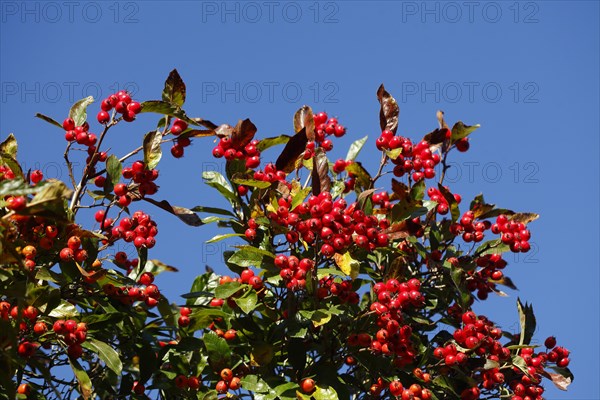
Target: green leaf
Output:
[
  {"x": 249, "y": 256},
  {"x": 417, "y": 192},
  {"x": 272, "y": 141},
  {"x": 527, "y": 322},
  {"x": 389, "y": 111},
  {"x": 152, "y": 150},
  {"x": 491, "y": 247},
  {"x": 12, "y": 164},
  {"x": 228, "y": 289},
  {"x": 218, "y": 238},
  {"x": 299, "y": 197},
  {"x": 85, "y": 384},
  {"x": 16, "y": 187},
  {"x": 445, "y": 383},
  {"x": 64, "y": 310},
  {"x": 9, "y": 146},
  {"x": 325, "y": 393},
  {"x": 355, "y": 148},
  {"x": 49, "y": 120},
  {"x": 218, "y": 181},
  {"x": 520, "y": 363},
  {"x": 113, "y": 172},
  {"x": 174, "y": 91},
  {"x": 460, "y": 130},
  {"x": 252, "y": 182},
  {"x": 78, "y": 111},
  {"x": 254, "y": 384},
  {"x": 363, "y": 179},
  {"x": 247, "y": 302},
  {"x": 106, "y": 354},
  {"x": 218, "y": 351}
]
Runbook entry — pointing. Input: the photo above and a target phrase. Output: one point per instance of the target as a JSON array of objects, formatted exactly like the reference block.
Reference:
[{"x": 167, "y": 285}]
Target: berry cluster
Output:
[
  {"x": 527, "y": 386},
  {"x": 228, "y": 381},
  {"x": 122, "y": 103},
  {"x": 142, "y": 176},
  {"x": 73, "y": 251},
  {"x": 139, "y": 229},
  {"x": 514, "y": 234},
  {"x": 231, "y": 150},
  {"x": 335, "y": 224},
  {"x": 73, "y": 334},
  {"x": 191, "y": 382},
  {"x": 416, "y": 158},
  {"x": 413, "y": 392},
  {"x": 324, "y": 126},
  {"x": 146, "y": 291},
  {"x": 124, "y": 262},
  {"x": 178, "y": 127},
  {"x": 293, "y": 271},
  {"x": 442, "y": 207},
  {"x": 79, "y": 133},
  {"x": 271, "y": 174},
  {"x": 472, "y": 231},
  {"x": 490, "y": 268},
  {"x": 6, "y": 173},
  {"x": 342, "y": 290}
]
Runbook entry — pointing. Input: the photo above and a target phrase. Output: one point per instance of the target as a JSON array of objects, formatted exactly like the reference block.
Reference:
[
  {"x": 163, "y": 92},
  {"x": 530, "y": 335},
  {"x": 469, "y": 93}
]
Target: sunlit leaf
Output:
[
  {"x": 174, "y": 91},
  {"x": 78, "y": 111}
]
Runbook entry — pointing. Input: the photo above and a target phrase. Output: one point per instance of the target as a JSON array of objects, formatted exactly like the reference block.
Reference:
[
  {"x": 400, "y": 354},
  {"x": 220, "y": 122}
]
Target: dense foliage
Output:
[{"x": 341, "y": 290}]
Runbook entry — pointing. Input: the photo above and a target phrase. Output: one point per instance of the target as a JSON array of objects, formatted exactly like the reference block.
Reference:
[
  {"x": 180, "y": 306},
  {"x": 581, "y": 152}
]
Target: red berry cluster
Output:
[
  {"x": 139, "y": 229},
  {"x": 514, "y": 234},
  {"x": 73, "y": 251},
  {"x": 191, "y": 382},
  {"x": 178, "y": 127},
  {"x": 27, "y": 317},
  {"x": 415, "y": 391},
  {"x": 122, "y": 103},
  {"x": 79, "y": 134},
  {"x": 490, "y": 268},
  {"x": 293, "y": 271},
  {"x": 527, "y": 387},
  {"x": 418, "y": 159},
  {"x": 146, "y": 291},
  {"x": 143, "y": 177},
  {"x": 395, "y": 296},
  {"x": 124, "y": 262},
  {"x": 472, "y": 231},
  {"x": 228, "y": 381},
  {"x": 342, "y": 290},
  {"x": 324, "y": 126},
  {"x": 6, "y": 173},
  {"x": 73, "y": 334},
  {"x": 271, "y": 174},
  {"x": 334, "y": 223},
  {"x": 393, "y": 338},
  {"x": 442, "y": 207},
  {"x": 231, "y": 150},
  {"x": 184, "y": 317}
]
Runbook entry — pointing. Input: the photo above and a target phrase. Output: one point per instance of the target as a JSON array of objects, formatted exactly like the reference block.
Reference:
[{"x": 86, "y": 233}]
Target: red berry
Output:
[
  {"x": 307, "y": 385},
  {"x": 103, "y": 117},
  {"x": 177, "y": 151},
  {"x": 68, "y": 124},
  {"x": 462, "y": 145}
]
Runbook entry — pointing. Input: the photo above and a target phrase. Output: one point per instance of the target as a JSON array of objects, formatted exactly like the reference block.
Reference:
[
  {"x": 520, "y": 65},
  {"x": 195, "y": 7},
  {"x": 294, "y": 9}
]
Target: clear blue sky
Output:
[{"x": 526, "y": 71}]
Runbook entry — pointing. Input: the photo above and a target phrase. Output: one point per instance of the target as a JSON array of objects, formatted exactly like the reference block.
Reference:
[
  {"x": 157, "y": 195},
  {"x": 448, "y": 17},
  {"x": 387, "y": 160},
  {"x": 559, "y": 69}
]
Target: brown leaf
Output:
[
  {"x": 435, "y": 137},
  {"x": 198, "y": 133},
  {"x": 400, "y": 190},
  {"x": 184, "y": 214},
  {"x": 560, "y": 381},
  {"x": 389, "y": 112},
  {"x": 321, "y": 182},
  {"x": 174, "y": 91},
  {"x": 304, "y": 119},
  {"x": 243, "y": 133},
  {"x": 363, "y": 195},
  {"x": 440, "y": 118},
  {"x": 292, "y": 151},
  {"x": 398, "y": 230},
  {"x": 524, "y": 218},
  {"x": 224, "y": 130}
]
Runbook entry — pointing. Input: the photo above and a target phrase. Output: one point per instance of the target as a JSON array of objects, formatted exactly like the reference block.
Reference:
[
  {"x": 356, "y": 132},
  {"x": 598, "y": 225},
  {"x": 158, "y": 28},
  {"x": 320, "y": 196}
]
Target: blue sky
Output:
[{"x": 528, "y": 72}]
